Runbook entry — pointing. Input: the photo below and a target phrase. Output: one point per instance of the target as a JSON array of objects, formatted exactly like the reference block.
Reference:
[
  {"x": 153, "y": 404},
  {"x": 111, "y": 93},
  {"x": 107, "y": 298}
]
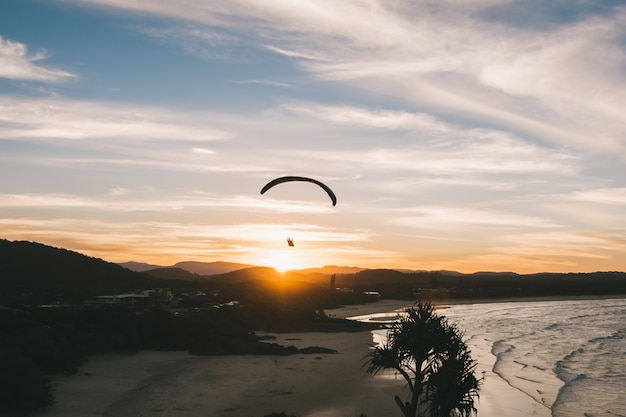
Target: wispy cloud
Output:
[
  {"x": 416, "y": 143},
  {"x": 265, "y": 82},
  {"x": 367, "y": 118},
  {"x": 203, "y": 151},
  {"x": 438, "y": 217},
  {"x": 66, "y": 119},
  {"x": 125, "y": 200},
  {"x": 612, "y": 196},
  {"x": 562, "y": 82},
  {"x": 17, "y": 64}
]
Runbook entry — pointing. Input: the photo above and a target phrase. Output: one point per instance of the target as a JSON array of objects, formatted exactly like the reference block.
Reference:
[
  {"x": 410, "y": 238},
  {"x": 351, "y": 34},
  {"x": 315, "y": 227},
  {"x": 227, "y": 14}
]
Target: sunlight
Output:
[{"x": 283, "y": 260}]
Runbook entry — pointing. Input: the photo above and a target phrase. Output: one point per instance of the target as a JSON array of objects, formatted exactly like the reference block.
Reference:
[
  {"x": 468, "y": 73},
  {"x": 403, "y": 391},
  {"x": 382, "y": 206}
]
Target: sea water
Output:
[{"x": 569, "y": 356}]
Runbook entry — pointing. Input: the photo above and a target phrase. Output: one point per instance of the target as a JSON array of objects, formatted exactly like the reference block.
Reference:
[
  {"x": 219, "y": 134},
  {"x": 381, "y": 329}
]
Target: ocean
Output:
[{"x": 567, "y": 356}]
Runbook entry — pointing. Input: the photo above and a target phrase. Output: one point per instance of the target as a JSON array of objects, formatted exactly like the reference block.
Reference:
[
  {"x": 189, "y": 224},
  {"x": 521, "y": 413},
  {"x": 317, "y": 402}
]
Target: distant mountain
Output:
[
  {"x": 331, "y": 269},
  {"x": 211, "y": 268},
  {"x": 139, "y": 266},
  {"x": 199, "y": 268}
]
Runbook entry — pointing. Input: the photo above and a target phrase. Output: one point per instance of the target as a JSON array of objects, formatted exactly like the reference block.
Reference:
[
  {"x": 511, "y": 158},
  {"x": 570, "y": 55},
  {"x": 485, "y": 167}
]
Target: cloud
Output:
[
  {"x": 368, "y": 118},
  {"x": 203, "y": 151},
  {"x": 610, "y": 196},
  {"x": 379, "y": 140},
  {"x": 413, "y": 158},
  {"x": 265, "y": 82},
  {"x": 445, "y": 217},
  {"x": 562, "y": 82},
  {"x": 570, "y": 247},
  {"x": 66, "y": 119},
  {"x": 433, "y": 147},
  {"x": 120, "y": 191},
  {"x": 122, "y": 200},
  {"x": 16, "y": 64}
]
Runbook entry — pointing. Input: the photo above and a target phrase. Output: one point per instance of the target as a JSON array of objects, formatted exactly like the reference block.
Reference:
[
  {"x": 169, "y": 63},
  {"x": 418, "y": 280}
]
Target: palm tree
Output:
[{"x": 431, "y": 356}]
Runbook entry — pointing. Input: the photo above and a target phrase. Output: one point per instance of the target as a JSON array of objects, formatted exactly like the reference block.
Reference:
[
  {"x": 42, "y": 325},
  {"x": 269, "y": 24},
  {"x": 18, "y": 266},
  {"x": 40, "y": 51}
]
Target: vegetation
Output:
[
  {"x": 431, "y": 356},
  {"x": 23, "y": 386},
  {"x": 449, "y": 285}
]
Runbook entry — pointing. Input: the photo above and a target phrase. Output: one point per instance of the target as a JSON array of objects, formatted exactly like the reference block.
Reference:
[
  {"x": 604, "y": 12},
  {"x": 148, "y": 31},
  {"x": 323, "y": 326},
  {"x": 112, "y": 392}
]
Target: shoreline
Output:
[
  {"x": 379, "y": 306},
  {"x": 173, "y": 384}
]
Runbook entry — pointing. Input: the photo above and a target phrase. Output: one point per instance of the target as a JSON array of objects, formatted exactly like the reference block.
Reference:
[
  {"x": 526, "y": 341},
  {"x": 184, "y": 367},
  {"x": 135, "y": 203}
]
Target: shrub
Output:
[{"x": 23, "y": 387}]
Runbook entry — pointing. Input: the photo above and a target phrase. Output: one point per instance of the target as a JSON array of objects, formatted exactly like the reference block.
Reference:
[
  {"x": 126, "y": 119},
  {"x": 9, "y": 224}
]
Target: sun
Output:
[{"x": 283, "y": 260}]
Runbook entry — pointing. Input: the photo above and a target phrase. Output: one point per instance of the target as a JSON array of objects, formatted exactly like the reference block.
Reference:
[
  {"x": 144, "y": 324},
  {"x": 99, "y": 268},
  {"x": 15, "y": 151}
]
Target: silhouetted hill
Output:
[
  {"x": 483, "y": 285},
  {"x": 371, "y": 277},
  {"x": 255, "y": 273},
  {"x": 172, "y": 273},
  {"x": 265, "y": 273},
  {"x": 279, "y": 295},
  {"x": 40, "y": 273}
]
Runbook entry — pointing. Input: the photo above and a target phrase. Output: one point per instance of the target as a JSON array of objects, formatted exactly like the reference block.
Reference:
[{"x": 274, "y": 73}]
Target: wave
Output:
[
  {"x": 566, "y": 355},
  {"x": 516, "y": 373}
]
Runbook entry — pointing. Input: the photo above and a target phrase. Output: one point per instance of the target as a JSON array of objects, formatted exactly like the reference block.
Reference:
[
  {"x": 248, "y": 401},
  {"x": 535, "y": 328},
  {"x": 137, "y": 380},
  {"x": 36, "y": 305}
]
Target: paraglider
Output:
[{"x": 281, "y": 180}]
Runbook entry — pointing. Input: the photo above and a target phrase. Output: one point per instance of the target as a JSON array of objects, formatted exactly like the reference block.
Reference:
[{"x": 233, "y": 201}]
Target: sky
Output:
[{"x": 467, "y": 135}]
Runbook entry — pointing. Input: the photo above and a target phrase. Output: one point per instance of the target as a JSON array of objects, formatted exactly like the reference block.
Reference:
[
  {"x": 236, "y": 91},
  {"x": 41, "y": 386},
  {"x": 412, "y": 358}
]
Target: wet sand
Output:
[{"x": 173, "y": 384}]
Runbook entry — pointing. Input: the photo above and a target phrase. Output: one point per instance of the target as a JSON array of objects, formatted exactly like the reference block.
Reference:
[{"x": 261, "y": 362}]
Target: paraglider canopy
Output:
[{"x": 281, "y": 180}]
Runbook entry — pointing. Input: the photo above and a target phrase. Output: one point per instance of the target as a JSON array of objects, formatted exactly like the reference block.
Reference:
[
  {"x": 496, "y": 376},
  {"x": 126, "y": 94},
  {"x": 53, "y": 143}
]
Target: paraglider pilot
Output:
[{"x": 290, "y": 241}]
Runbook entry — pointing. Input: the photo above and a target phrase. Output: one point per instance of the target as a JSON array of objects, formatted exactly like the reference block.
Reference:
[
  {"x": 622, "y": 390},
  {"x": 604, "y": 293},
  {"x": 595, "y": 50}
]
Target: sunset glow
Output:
[
  {"x": 282, "y": 260},
  {"x": 466, "y": 136}
]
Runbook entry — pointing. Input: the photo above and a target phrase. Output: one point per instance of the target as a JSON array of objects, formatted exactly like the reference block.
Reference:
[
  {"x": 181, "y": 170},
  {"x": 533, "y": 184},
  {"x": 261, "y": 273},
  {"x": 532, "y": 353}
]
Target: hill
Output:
[
  {"x": 41, "y": 273},
  {"x": 173, "y": 273},
  {"x": 436, "y": 285}
]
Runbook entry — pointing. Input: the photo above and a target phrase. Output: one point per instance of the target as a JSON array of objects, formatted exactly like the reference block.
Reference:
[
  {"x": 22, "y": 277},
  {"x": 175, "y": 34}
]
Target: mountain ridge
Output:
[
  {"x": 223, "y": 267},
  {"x": 60, "y": 274}
]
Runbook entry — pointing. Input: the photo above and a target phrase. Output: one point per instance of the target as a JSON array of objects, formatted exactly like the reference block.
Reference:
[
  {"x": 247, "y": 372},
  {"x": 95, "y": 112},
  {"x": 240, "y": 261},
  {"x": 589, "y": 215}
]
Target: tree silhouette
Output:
[{"x": 431, "y": 356}]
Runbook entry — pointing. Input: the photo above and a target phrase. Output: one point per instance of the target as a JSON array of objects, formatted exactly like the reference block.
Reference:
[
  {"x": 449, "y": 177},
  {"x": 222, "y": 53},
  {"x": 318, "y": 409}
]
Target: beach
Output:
[{"x": 307, "y": 385}]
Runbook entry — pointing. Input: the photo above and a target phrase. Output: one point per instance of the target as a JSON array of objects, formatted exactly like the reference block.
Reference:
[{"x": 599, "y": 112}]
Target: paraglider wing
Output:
[{"x": 290, "y": 178}]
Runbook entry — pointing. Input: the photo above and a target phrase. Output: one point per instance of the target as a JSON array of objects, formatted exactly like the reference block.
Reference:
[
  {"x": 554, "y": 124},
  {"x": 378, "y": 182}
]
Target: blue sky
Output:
[{"x": 466, "y": 135}]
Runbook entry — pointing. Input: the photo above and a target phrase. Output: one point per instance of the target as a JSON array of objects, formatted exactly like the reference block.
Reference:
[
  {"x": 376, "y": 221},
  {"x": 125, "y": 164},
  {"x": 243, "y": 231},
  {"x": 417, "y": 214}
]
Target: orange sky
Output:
[{"x": 469, "y": 137}]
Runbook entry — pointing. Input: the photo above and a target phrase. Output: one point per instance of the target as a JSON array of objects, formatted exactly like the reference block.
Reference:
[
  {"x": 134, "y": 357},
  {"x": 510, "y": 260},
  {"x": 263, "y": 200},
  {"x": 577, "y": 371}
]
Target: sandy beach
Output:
[{"x": 172, "y": 384}]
